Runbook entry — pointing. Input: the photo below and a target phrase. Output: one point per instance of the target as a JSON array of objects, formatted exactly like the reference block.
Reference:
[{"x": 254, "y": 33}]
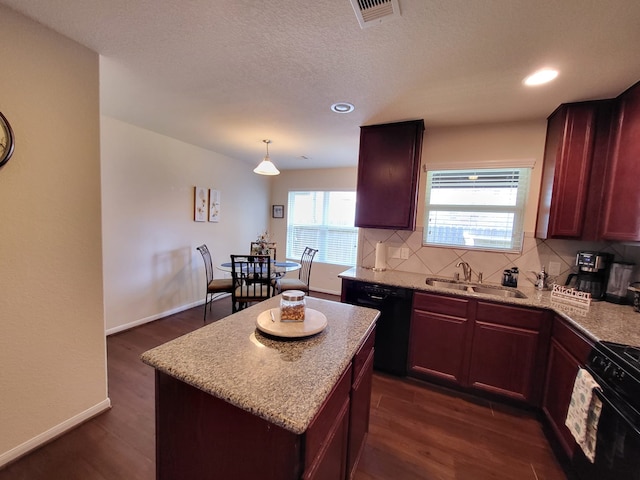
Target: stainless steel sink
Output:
[
  {"x": 496, "y": 290},
  {"x": 445, "y": 284},
  {"x": 499, "y": 291}
]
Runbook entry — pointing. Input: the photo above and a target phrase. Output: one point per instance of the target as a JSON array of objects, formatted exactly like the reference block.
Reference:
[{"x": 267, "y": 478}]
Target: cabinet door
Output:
[
  {"x": 359, "y": 414},
  {"x": 503, "y": 360},
  {"x": 567, "y": 353},
  {"x": 622, "y": 199},
  {"x": 438, "y": 346},
  {"x": 388, "y": 172},
  {"x": 326, "y": 439},
  {"x": 331, "y": 464},
  {"x": 567, "y": 166}
]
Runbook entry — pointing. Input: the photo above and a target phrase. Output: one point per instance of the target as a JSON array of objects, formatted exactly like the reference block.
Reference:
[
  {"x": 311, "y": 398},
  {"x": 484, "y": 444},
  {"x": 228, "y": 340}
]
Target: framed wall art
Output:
[
  {"x": 277, "y": 211},
  {"x": 214, "y": 205},
  {"x": 200, "y": 204}
]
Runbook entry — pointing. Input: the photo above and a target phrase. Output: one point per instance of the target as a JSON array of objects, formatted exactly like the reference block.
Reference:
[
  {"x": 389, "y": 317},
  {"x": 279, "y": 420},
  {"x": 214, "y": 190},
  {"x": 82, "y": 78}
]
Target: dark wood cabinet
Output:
[
  {"x": 440, "y": 335},
  {"x": 509, "y": 351},
  {"x": 575, "y": 157},
  {"x": 482, "y": 346},
  {"x": 360, "y": 403},
  {"x": 326, "y": 440},
  {"x": 568, "y": 351},
  {"x": 201, "y": 436},
  {"x": 622, "y": 199},
  {"x": 388, "y": 175}
]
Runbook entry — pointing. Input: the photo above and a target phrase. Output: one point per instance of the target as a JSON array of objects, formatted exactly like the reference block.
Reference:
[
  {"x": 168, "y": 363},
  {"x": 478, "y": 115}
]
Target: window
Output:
[
  {"x": 323, "y": 220},
  {"x": 476, "y": 208}
]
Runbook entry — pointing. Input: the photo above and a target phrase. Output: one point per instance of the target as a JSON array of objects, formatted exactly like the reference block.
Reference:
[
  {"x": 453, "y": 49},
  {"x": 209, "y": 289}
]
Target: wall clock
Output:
[{"x": 6, "y": 140}]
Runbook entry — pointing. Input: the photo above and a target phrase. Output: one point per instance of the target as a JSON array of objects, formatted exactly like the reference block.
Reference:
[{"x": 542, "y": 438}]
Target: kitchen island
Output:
[{"x": 232, "y": 402}]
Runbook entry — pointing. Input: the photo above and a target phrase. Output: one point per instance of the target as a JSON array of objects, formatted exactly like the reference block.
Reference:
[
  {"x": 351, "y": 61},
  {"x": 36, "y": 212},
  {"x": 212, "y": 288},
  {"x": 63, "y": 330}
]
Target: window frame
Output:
[
  {"x": 324, "y": 230},
  {"x": 518, "y": 210}
]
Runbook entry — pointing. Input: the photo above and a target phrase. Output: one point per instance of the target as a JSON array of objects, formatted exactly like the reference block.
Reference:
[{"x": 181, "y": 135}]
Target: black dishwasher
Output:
[{"x": 392, "y": 328}]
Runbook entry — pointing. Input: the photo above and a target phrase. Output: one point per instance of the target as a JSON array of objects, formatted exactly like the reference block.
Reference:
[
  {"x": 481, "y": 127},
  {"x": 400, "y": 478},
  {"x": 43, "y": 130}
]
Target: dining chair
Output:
[
  {"x": 251, "y": 275},
  {"x": 256, "y": 249},
  {"x": 304, "y": 274},
  {"x": 215, "y": 287}
]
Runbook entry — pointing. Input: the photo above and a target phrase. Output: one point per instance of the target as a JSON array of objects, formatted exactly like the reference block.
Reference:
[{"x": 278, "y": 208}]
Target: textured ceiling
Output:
[{"x": 225, "y": 74}]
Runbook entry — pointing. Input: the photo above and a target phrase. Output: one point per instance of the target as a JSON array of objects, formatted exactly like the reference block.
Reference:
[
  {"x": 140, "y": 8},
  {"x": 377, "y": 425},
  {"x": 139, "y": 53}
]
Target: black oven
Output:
[{"x": 616, "y": 368}]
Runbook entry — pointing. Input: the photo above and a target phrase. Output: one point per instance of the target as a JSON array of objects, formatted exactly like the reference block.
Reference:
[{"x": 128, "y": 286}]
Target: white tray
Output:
[{"x": 314, "y": 322}]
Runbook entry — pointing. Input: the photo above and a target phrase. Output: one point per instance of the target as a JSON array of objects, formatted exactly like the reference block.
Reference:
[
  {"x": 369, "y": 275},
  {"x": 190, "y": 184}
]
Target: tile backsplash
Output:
[{"x": 441, "y": 261}]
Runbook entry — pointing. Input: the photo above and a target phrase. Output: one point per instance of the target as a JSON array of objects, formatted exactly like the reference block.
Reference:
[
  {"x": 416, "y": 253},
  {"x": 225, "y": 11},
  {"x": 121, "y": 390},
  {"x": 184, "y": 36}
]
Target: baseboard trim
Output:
[
  {"x": 328, "y": 292},
  {"x": 182, "y": 308},
  {"x": 142, "y": 321},
  {"x": 53, "y": 433}
]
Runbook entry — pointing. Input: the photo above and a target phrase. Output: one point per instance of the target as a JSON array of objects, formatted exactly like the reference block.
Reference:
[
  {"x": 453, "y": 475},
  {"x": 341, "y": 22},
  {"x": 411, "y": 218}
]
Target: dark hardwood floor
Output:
[{"x": 416, "y": 431}]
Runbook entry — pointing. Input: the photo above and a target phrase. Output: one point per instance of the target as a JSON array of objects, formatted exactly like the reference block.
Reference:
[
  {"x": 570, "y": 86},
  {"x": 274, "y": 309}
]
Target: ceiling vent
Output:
[{"x": 374, "y": 12}]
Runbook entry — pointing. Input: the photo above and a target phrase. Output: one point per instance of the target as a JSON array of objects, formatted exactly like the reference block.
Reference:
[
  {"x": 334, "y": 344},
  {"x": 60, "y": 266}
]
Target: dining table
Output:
[{"x": 279, "y": 268}]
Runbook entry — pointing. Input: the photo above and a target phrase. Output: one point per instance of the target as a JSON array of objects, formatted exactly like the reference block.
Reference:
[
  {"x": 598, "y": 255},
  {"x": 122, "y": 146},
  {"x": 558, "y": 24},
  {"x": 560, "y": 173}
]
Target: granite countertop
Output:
[
  {"x": 603, "y": 321},
  {"x": 284, "y": 381}
]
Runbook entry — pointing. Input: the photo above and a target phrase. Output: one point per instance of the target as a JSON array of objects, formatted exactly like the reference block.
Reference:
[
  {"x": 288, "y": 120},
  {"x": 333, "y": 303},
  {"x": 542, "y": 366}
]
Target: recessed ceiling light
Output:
[
  {"x": 342, "y": 107},
  {"x": 540, "y": 77}
]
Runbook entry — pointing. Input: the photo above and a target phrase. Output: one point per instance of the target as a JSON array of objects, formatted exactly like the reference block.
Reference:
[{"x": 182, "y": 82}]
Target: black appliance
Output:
[
  {"x": 593, "y": 272},
  {"x": 616, "y": 368},
  {"x": 392, "y": 327}
]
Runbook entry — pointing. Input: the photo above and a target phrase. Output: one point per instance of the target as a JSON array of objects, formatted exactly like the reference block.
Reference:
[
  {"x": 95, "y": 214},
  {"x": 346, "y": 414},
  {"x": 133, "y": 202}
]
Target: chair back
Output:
[
  {"x": 307, "y": 259},
  {"x": 257, "y": 249},
  {"x": 251, "y": 276},
  {"x": 208, "y": 265}
]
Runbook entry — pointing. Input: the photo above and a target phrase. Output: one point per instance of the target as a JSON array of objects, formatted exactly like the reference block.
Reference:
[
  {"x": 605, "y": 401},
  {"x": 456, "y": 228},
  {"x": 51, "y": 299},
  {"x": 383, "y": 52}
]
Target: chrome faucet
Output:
[{"x": 466, "y": 270}]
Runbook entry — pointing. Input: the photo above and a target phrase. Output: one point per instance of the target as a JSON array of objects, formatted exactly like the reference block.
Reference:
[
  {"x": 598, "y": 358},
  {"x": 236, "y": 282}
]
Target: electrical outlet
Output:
[
  {"x": 404, "y": 253},
  {"x": 394, "y": 252},
  {"x": 554, "y": 268}
]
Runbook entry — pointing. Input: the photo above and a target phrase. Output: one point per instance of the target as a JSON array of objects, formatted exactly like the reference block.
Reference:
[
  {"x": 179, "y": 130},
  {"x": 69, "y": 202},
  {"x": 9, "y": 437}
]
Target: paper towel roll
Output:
[{"x": 381, "y": 257}]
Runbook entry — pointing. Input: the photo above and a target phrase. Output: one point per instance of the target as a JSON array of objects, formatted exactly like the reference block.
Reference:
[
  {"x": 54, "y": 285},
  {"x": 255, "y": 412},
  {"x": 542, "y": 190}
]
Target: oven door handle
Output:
[{"x": 620, "y": 414}]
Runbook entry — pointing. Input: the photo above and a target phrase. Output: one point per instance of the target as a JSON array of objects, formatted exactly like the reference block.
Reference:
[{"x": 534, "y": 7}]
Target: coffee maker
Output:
[{"x": 593, "y": 272}]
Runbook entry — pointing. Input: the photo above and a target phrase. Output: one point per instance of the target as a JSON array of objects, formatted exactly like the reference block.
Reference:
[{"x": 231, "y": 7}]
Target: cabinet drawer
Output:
[
  {"x": 363, "y": 354},
  {"x": 511, "y": 316},
  {"x": 321, "y": 426},
  {"x": 572, "y": 341},
  {"x": 456, "y": 307}
]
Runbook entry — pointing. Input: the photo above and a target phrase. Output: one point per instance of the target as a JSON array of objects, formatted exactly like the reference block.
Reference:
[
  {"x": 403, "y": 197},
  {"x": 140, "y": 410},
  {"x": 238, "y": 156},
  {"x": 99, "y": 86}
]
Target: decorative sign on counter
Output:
[{"x": 571, "y": 296}]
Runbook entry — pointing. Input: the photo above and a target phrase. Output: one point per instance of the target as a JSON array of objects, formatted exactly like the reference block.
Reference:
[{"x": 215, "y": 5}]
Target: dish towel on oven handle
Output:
[{"x": 584, "y": 413}]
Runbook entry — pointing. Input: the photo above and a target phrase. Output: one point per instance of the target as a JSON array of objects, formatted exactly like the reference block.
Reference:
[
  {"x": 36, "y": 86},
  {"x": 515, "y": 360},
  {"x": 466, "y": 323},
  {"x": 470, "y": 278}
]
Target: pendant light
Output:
[{"x": 266, "y": 166}]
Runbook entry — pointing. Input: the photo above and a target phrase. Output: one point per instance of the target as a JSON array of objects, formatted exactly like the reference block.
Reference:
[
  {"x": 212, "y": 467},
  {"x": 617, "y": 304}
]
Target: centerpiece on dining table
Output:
[{"x": 263, "y": 244}]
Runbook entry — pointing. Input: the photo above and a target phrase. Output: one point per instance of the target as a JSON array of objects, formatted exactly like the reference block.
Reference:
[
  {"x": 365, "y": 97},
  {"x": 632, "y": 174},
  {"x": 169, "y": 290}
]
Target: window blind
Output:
[{"x": 324, "y": 221}]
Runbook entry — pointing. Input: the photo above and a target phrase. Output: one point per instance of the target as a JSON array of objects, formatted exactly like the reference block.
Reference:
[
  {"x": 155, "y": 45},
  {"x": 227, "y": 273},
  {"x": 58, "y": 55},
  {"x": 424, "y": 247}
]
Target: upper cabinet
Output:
[
  {"x": 388, "y": 173},
  {"x": 589, "y": 187},
  {"x": 622, "y": 199},
  {"x": 575, "y": 158}
]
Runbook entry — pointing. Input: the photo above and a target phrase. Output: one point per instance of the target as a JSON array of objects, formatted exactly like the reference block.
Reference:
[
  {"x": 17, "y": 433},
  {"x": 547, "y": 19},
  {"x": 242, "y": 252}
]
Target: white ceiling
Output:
[{"x": 225, "y": 74}]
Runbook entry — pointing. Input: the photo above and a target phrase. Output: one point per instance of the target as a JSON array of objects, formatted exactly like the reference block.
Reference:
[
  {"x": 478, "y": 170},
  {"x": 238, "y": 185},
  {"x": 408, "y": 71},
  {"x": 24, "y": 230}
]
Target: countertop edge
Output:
[{"x": 603, "y": 321}]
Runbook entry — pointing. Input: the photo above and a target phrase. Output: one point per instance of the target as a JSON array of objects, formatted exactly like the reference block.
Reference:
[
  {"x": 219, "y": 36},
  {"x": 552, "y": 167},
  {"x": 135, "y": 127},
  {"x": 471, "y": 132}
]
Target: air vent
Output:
[{"x": 374, "y": 12}]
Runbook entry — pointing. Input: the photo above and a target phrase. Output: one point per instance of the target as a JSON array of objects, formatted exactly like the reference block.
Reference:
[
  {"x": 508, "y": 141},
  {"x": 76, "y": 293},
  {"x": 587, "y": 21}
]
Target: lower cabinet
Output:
[
  {"x": 440, "y": 338},
  {"x": 326, "y": 440},
  {"x": 360, "y": 403},
  {"x": 199, "y": 436},
  {"x": 509, "y": 351},
  {"x": 479, "y": 345},
  {"x": 568, "y": 351}
]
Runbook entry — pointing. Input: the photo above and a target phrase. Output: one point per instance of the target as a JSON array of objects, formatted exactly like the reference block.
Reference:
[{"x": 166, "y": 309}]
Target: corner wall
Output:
[
  {"x": 52, "y": 344},
  {"x": 151, "y": 266}
]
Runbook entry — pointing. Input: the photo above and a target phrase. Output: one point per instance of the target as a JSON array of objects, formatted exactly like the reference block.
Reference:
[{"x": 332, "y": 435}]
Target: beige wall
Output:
[
  {"x": 52, "y": 345},
  {"x": 151, "y": 265},
  {"x": 324, "y": 277},
  {"x": 486, "y": 144}
]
